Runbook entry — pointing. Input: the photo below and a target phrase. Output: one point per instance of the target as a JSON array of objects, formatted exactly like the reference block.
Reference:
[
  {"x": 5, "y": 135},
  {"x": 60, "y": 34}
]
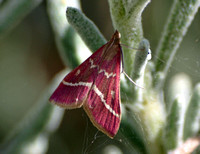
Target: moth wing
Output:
[
  {"x": 103, "y": 101},
  {"x": 73, "y": 90}
]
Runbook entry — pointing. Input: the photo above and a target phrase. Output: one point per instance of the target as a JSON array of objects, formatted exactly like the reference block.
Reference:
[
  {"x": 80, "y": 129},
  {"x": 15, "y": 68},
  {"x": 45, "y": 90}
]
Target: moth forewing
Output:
[{"x": 95, "y": 84}]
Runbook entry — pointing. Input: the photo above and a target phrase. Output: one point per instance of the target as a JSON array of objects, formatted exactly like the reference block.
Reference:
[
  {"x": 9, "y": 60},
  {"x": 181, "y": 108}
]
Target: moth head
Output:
[{"x": 116, "y": 37}]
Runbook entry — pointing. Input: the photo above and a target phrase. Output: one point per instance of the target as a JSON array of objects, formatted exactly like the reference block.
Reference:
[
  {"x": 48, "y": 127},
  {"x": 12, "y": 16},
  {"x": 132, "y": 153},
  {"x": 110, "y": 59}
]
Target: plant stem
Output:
[{"x": 126, "y": 18}]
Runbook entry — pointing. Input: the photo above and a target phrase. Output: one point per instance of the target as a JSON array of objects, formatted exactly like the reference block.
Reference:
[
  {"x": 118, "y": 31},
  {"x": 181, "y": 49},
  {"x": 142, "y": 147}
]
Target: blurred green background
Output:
[{"x": 29, "y": 59}]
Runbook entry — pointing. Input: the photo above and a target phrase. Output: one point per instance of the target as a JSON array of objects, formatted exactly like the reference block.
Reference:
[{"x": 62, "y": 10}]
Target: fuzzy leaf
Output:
[
  {"x": 65, "y": 35},
  {"x": 85, "y": 28},
  {"x": 192, "y": 115},
  {"x": 43, "y": 119},
  {"x": 133, "y": 133},
  {"x": 13, "y": 12},
  {"x": 182, "y": 14},
  {"x": 174, "y": 126}
]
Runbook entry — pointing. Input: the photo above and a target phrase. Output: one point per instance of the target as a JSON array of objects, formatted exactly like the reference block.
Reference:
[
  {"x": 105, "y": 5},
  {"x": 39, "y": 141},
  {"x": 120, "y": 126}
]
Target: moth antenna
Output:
[
  {"x": 131, "y": 47},
  {"x": 131, "y": 80},
  {"x": 122, "y": 60}
]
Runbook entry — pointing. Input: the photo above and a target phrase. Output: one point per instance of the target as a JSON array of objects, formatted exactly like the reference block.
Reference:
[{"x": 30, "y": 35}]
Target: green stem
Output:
[{"x": 126, "y": 18}]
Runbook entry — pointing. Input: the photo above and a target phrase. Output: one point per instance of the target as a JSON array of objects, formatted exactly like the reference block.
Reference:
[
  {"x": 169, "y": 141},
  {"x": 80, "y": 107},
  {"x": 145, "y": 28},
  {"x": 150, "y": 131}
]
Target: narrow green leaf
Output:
[
  {"x": 85, "y": 28},
  {"x": 141, "y": 58},
  {"x": 12, "y": 12},
  {"x": 182, "y": 14},
  {"x": 173, "y": 126},
  {"x": 132, "y": 131},
  {"x": 44, "y": 118},
  {"x": 197, "y": 150},
  {"x": 180, "y": 85},
  {"x": 65, "y": 35},
  {"x": 192, "y": 115}
]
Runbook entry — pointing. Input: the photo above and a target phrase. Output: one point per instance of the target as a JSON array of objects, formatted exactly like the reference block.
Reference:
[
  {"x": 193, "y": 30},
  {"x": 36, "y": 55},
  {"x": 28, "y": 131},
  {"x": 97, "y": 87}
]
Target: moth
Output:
[{"x": 95, "y": 86}]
